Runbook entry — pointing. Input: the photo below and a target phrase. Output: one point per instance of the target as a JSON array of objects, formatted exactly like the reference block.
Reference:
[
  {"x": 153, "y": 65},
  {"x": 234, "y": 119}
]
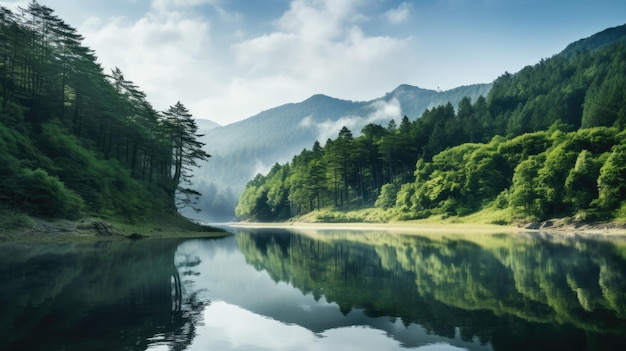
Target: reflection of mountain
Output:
[
  {"x": 511, "y": 291},
  {"x": 107, "y": 296}
]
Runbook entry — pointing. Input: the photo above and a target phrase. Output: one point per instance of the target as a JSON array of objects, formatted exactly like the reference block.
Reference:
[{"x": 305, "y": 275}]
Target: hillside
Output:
[
  {"x": 548, "y": 141},
  {"x": 205, "y": 125},
  {"x": 76, "y": 141},
  {"x": 597, "y": 41},
  {"x": 251, "y": 146}
]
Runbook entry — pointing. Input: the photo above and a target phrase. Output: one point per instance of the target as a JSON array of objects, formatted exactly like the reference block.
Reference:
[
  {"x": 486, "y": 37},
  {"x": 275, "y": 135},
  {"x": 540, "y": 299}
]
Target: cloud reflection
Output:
[
  {"x": 229, "y": 327},
  {"x": 249, "y": 310}
]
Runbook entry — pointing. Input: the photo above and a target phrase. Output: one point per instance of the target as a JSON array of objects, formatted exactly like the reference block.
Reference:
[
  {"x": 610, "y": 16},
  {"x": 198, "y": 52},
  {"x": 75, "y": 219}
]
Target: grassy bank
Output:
[
  {"x": 21, "y": 227},
  {"x": 377, "y": 215},
  {"x": 487, "y": 221}
]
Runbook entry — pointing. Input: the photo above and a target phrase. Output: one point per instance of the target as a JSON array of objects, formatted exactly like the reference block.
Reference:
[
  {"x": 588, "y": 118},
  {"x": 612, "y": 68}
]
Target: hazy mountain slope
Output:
[
  {"x": 205, "y": 125},
  {"x": 245, "y": 148},
  {"x": 275, "y": 127}
]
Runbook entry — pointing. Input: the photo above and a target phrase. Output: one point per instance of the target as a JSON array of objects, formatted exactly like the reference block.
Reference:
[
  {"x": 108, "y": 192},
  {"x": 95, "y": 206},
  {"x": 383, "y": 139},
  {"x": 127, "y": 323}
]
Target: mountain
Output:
[
  {"x": 597, "y": 41},
  {"x": 243, "y": 149},
  {"x": 206, "y": 125}
]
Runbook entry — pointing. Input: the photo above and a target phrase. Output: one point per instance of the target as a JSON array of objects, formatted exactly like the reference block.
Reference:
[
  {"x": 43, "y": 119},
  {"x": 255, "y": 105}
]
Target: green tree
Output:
[
  {"x": 612, "y": 180},
  {"x": 581, "y": 185},
  {"x": 181, "y": 129},
  {"x": 605, "y": 105},
  {"x": 525, "y": 195},
  {"x": 559, "y": 160},
  {"x": 344, "y": 143},
  {"x": 387, "y": 198}
]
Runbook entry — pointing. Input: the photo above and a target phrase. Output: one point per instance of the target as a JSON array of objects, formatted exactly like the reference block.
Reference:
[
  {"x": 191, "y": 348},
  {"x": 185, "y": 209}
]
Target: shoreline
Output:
[
  {"x": 426, "y": 227},
  {"x": 95, "y": 229},
  {"x": 394, "y": 226},
  {"x": 92, "y": 229}
]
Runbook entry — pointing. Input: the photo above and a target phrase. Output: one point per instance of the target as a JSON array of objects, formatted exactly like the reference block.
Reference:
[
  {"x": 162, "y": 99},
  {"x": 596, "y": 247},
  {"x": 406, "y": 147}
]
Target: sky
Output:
[{"x": 227, "y": 60}]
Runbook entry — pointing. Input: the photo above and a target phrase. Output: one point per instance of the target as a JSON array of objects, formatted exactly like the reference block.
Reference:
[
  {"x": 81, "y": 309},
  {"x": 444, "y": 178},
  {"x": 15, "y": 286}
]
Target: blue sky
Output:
[{"x": 229, "y": 59}]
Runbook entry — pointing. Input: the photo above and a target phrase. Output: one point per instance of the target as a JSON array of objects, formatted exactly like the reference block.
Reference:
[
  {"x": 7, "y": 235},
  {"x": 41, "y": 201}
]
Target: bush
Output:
[
  {"x": 45, "y": 195},
  {"x": 387, "y": 198}
]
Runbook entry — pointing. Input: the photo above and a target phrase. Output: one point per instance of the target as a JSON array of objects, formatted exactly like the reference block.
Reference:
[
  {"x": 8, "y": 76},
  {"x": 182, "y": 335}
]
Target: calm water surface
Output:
[{"x": 321, "y": 290}]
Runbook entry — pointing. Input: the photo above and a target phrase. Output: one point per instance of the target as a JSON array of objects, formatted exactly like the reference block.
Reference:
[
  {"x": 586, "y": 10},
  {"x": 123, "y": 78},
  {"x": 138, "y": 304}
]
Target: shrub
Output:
[{"x": 43, "y": 194}]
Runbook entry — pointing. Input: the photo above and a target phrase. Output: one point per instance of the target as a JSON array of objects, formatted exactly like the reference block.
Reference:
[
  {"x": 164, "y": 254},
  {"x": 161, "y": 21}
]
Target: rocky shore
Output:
[
  {"x": 566, "y": 225},
  {"x": 58, "y": 228},
  {"x": 91, "y": 228}
]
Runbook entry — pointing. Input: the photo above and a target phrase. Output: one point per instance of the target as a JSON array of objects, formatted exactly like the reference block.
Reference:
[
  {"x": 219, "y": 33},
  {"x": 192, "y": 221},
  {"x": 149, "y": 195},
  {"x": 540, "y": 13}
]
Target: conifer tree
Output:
[{"x": 181, "y": 131}]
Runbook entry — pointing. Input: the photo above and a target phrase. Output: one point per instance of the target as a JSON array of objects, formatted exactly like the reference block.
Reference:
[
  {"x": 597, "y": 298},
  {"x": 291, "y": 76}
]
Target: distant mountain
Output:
[
  {"x": 599, "y": 40},
  {"x": 251, "y": 146},
  {"x": 205, "y": 125}
]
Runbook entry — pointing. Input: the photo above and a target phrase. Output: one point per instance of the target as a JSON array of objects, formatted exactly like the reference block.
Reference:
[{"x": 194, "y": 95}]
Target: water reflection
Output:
[
  {"x": 252, "y": 310},
  {"x": 512, "y": 292},
  {"x": 105, "y": 296},
  {"x": 319, "y": 290}
]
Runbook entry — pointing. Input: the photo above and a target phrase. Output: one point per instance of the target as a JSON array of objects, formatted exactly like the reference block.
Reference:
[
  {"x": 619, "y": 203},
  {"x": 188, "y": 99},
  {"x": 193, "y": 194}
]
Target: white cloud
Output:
[
  {"x": 165, "y": 5},
  {"x": 166, "y": 54},
  {"x": 319, "y": 20},
  {"x": 320, "y": 47},
  {"x": 209, "y": 60},
  {"x": 307, "y": 122},
  {"x": 227, "y": 60},
  {"x": 381, "y": 113},
  {"x": 398, "y": 15}
]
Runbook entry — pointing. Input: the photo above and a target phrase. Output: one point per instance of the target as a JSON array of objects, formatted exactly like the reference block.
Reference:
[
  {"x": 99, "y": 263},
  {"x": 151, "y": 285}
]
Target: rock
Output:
[
  {"x": 532, "y": 225},
  {"x": 101, "y": 228},
  {"x": 135, "y": 236}
]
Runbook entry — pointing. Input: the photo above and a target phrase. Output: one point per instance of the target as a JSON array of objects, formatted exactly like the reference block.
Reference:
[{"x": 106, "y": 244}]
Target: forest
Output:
[
  {"x": 77, "y": 141},
  {"x": 546, "y": 142}
]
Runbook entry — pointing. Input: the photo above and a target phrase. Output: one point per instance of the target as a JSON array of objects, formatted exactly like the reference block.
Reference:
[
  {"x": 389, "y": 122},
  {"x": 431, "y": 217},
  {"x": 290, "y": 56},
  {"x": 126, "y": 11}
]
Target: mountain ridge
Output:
[{"x": 596, "y": 41}]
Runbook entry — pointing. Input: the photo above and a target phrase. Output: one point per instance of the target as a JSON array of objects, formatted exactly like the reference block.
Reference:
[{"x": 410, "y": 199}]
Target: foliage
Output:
[
  {"x": 74, "y": 140},
  {"x": 387, "y": 197}
]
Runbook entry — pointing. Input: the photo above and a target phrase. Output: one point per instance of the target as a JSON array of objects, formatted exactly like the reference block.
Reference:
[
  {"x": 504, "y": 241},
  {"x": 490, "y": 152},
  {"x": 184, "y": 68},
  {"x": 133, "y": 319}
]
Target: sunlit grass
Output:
[{"x": 489, "y": 215}]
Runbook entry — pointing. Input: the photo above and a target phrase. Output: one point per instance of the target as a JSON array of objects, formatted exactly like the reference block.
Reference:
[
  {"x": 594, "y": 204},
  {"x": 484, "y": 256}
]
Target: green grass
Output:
[{"x": 489, "y": 215}]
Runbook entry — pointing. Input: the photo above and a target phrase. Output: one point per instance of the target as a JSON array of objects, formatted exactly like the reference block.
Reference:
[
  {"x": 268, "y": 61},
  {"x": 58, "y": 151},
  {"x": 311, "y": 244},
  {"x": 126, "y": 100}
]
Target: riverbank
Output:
[
  {"x": 412, "y": 226},
  {"x": 456, "y": 226},
  {"x": 15, "y": 228}
]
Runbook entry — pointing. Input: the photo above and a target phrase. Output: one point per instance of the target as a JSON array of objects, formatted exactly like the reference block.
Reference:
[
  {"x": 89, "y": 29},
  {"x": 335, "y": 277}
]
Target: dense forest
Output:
[
  {"x": 76, "y": 141},
  {"x": 546, "y": 142}
]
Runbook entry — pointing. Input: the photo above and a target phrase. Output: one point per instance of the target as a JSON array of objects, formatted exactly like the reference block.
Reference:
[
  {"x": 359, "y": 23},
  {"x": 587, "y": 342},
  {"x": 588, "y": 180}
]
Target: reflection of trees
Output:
[
  {"x": 120, "y": 295},
  {"x": 574, "y": 288}
]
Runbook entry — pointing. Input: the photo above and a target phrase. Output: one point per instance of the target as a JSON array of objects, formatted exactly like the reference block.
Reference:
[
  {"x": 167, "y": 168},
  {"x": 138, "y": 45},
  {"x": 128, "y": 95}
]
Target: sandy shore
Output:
[{"x": 419, "y": 227}]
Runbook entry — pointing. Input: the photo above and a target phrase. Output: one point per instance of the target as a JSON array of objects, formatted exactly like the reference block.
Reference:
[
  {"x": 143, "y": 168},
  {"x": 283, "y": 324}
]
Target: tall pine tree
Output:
[{"x": 186, "y": 152}]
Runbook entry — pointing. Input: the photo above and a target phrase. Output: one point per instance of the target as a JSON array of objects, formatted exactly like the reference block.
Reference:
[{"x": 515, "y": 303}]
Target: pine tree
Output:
[{"x": 181, "y": 131}]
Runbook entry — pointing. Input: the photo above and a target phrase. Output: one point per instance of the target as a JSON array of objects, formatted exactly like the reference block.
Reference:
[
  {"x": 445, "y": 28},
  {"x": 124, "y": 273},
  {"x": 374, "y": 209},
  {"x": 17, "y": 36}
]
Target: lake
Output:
[{"x": 274, "y": 289}]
